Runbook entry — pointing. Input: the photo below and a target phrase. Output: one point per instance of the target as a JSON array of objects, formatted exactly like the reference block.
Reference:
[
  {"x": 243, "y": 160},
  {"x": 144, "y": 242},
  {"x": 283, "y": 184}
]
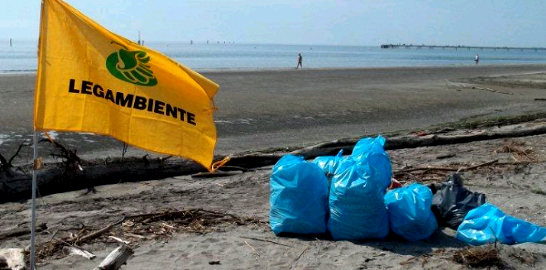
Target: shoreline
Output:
[{"x": 283, "y": 69}]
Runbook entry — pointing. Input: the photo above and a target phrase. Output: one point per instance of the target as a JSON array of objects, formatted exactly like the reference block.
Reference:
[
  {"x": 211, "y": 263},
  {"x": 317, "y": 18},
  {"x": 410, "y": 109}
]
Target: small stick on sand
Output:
[
  {"x": 299, "y": 256},
  {"x": 80, "y": 252},
  {"x": 258, "y": 254},
  {"x": 134, "y": 235},
  {"x": 446, "y": 168},
  {"x": 480, "y": 165},
  {"x": 265, "y": 240},
  {"x": 119, "y": 240},
  {"x": 96, "y": 233}
]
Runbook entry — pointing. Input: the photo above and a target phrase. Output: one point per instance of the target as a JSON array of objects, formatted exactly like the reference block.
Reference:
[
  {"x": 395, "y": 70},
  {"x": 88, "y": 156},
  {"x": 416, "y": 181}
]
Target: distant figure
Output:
[
  {"x": 300, "y": 60},
  {"x": 477, "y": 59}
]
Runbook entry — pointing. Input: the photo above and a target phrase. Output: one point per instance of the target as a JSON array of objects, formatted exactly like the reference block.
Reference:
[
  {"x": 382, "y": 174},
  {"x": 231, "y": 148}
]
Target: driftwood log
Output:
[
  {"x": 116, "y": 258},
  {"x": 413, "y": 141},
  {"x": 58, "y": 177},
  {"x": 21, "y": 231}
]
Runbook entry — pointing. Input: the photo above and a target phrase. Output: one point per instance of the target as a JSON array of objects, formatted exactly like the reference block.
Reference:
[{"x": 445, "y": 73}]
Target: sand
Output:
[
  {"x": 396, "y": 98},
  {"x": 264, "y": 109}
]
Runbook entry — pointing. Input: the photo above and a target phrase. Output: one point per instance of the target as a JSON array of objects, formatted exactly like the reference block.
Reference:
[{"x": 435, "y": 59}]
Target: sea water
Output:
[{"x": 21, "y": 57}]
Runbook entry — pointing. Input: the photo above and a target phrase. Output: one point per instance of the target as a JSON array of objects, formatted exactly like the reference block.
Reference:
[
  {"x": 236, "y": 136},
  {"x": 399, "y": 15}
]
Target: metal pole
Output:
[{"x": 33, "y": 215}]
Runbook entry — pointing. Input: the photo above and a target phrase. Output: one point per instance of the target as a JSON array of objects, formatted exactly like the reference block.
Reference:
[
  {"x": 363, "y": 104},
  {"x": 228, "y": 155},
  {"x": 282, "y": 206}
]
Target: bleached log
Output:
[
  {"x": 12, "y": 258},
  {"x": 116, "y": 258},
  {"x": 80, "y": 252}
]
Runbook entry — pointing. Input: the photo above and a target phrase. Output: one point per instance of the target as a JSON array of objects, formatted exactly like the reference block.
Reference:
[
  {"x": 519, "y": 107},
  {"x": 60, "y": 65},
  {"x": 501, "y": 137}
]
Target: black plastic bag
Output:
[{"x": 453, "y": 201}]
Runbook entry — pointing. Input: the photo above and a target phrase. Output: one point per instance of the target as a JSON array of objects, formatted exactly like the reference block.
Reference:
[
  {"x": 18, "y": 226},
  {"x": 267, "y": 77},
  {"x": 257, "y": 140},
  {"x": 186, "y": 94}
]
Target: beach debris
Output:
[
  {"x": 22, "y": 231},
  {"x": 145, "y": 226},
  {"x": 253, "y": 249},
  {"x": 516, "y": 150},
  {"x": 499, "y": 256},
  {"x": 299, "y": 256},
  {"x": 116, "y": 258},
  {"x": 78, "y": 251},
  {"x": 7, "y": 163},
  {"x": 71, "y": 159},
  {"x": 119, "y": 240},
  {"x": 394, "y": 184},
  {"x": 448, "y": 169},
  {"x": 266, "y": 240},
  {"x": 444, "y": 156},
  {"x": 217, "y": 173},
  {"x": 12, "y": 259},
  {"x": 453, "y": 201},
  {"x": 489, "y": 224},
  {"x": 538, "y": 191},
  {"x": 485, "y": 256},
  {"x": 214, "y": 262},
  {"x": 134, "y": 235},
  {"x": 77, "y": 239}
]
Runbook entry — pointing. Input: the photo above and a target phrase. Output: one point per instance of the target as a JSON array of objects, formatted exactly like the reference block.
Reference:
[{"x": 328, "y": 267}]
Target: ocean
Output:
[{"x": 21, "y": 56}]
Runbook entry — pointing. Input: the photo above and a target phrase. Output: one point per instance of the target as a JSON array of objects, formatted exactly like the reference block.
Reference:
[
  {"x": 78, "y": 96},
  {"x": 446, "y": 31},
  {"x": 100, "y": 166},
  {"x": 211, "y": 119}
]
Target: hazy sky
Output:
[{"x": 347, "y": 22}]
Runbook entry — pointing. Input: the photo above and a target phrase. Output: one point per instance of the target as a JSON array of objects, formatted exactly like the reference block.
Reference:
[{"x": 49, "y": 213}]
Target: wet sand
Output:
[{"x": 264, "y": 109}]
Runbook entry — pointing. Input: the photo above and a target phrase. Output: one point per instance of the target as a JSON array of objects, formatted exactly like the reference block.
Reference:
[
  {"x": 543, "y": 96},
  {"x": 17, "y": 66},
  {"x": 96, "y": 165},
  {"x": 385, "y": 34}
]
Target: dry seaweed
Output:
[
  {"x": 482, "y": 256},
  {"x": 141, "y": 227}
]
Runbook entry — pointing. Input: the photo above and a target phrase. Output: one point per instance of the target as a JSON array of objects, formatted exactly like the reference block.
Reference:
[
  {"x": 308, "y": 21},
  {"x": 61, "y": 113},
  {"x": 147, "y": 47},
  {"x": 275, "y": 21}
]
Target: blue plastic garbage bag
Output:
[
  {"x": 370, "y": 151},
  {"x": 357, "y": 190},
  {"x": 298, "y": 197},
  {"x": 329, "y": 164},
  {"x": 487, "y": 224},
  {"x": 409, "y": 211}
]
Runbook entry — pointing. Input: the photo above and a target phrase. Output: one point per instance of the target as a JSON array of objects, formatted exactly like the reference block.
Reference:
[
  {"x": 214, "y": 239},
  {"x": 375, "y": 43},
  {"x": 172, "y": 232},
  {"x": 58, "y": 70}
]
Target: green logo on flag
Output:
[{"x": 131, "y": 66}]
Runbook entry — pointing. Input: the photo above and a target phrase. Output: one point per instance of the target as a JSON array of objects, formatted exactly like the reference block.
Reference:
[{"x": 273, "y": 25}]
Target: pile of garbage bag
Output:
[{"x": 347, "y": 197}]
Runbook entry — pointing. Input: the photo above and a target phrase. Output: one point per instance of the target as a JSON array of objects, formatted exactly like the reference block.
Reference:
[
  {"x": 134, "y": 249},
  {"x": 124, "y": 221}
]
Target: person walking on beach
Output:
[
  {"x": 477, "y": 59},
  {"x": 300, "y": 60}
]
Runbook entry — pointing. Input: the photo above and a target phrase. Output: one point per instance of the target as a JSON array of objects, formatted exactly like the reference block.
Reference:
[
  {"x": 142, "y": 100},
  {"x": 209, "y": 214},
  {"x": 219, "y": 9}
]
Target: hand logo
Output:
[{"x": 131, "y": 66}]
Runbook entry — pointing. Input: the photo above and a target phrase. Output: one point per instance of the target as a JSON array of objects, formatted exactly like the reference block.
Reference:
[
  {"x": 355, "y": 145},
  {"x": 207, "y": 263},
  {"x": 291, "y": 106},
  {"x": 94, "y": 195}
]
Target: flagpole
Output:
[{"x": 33, "y": 215}]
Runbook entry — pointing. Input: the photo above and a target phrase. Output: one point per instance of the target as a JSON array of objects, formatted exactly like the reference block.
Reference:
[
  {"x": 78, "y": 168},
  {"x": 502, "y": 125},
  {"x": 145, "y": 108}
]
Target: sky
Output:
[{"x": 517, "y": 23}]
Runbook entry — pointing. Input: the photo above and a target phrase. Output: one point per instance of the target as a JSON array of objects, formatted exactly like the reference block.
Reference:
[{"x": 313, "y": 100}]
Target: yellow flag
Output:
[{"x": 92, "y": 80}]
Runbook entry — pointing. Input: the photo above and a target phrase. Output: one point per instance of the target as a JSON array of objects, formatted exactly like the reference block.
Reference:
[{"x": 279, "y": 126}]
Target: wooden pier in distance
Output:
[{"x": 461, "y": 47}]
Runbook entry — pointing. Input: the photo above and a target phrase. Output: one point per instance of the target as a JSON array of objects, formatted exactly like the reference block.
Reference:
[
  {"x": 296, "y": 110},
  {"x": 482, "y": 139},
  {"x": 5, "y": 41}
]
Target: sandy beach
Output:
[
  {"x": 265, "y": 109},
  {"x": 276, "y": 109}
]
